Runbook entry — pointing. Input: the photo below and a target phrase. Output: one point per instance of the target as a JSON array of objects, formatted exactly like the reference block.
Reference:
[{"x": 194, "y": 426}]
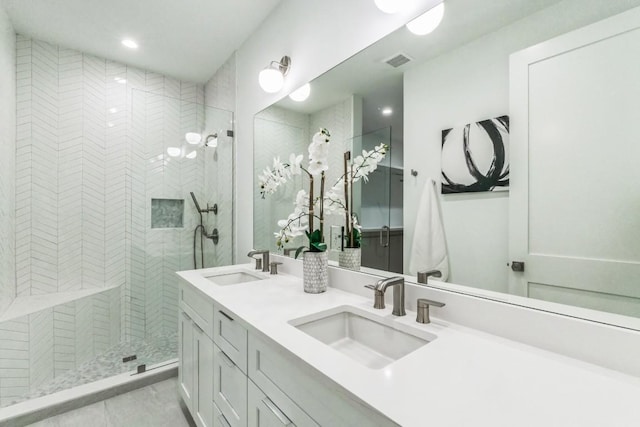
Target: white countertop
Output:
[{"x": 463, "y": 378}]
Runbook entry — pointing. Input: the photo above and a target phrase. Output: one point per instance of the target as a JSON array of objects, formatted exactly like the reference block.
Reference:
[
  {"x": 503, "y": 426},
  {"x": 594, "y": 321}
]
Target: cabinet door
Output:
[
  {"x": 185, "y": 357},
  {"x": 264, "y": 412},
  {"x": 230, "y": 389},
  {"x": 203, "y": 381}
]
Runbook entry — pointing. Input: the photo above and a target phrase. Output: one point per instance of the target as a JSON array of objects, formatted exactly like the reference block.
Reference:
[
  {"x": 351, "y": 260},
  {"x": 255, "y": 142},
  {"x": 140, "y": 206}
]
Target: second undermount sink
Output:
[
  {"x": 368, "y": 339},
  {"x": 233, "y": 277}
]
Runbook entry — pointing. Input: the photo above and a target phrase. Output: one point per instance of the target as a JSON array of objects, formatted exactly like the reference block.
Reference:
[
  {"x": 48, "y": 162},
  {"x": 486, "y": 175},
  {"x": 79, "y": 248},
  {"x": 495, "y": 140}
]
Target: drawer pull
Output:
[
  {"x": 227, "y": 359},
  {"x": 223, "y": 421},
  {"x": 277, "y": 412},
  {"x": 225, "y": 315}
]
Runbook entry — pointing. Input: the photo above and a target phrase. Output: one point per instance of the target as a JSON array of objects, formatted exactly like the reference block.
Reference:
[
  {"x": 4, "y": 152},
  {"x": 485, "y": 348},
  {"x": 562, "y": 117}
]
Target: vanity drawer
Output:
[
  {"x": 229, "y": 389},
  {"x": 322, "y": 399},
  {"x": 274, "y": 411},
  {"x": 198, "y": 306},
  {"x": 231, "y": 337}
]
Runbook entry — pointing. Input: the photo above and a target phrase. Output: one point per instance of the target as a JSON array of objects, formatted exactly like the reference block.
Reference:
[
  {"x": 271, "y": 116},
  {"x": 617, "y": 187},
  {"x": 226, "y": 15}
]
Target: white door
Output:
[{"x": 575, "y": 167}]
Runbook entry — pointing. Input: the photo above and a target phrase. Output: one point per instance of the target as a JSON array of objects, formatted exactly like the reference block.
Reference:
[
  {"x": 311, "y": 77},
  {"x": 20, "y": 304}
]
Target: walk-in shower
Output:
[{"x": 96, "y": 294}]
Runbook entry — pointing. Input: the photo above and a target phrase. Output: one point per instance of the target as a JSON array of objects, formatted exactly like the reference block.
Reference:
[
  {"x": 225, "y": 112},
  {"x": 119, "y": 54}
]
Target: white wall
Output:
[
  {"x": 7, "y": 158},
  {"x": 463, "y": 86},
  {"x": 317, "y": 36}
]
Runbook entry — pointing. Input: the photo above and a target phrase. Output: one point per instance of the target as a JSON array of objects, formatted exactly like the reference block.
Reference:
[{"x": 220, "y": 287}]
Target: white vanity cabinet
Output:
[
  {"x": 231, "y": 377},
  {"x": 196, "y": 370}
]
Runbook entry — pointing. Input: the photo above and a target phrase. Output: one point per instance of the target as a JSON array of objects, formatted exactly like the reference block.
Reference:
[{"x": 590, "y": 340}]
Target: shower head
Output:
[
  {"x": 211, "y": 140},
  {"x": 193, "y": 196}
]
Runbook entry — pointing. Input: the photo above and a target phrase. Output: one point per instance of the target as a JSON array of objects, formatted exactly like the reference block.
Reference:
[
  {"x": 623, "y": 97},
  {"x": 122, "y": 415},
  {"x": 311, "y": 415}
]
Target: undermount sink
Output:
[
  {"x": 233, "y": 277},
  {"x": 364, "y": 337}
]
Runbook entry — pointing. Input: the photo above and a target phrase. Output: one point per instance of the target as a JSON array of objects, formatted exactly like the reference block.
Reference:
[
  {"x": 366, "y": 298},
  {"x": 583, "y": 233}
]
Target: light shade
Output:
[
  {"x": 301, "y": 93},
  {"x": 271, "y": 80},
  {"x": 193, "y": 138},
  {"x": 174, "y": 151},
  {"x": 131, "y": 44},
  {"x": 388, "y": 6},
  {"x": 428, "y": 21}
]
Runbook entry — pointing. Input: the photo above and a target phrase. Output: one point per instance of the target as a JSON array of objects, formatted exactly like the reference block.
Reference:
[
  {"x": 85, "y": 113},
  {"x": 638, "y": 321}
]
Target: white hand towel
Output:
[{"x": 429, "y": 248}]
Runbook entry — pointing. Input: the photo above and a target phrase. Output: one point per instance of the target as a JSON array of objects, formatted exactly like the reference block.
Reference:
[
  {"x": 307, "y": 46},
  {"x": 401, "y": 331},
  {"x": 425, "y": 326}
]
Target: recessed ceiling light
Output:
[
  {"x": 113, "y": 110},
  {"x": 130, "y": 43},
  {"x": 386, "y": 111}
]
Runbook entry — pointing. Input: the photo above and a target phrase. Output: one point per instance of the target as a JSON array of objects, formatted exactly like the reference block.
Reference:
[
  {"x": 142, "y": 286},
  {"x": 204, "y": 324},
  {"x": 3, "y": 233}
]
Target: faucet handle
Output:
[
  {"x": 423, "y": 276},
  {"x": 423, "y": 309},
  {"x": 378, "y": 301},
  {"x": 273, "y": 267}
]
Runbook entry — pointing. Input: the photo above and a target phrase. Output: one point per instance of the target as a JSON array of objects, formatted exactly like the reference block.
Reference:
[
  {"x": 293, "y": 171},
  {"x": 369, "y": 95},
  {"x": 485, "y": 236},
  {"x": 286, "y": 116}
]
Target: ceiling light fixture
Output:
[
  {"x": 428, "y": 21},
  {"x": 131, "y": 44},
  {"x": 302, "y": 93},
  {"x": 386, "y": 111},
  {"x": 271, "y": 79},
  {"x": 192, "y": 155},
  {"x": 193, "y": 138}
]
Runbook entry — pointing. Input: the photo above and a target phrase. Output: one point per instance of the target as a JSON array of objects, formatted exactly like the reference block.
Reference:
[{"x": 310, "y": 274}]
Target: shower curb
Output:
[{"x": 40, "y": 408}]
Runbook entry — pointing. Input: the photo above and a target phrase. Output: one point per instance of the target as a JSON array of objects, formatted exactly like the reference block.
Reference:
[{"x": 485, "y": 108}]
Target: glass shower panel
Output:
[{"x": 376, "y": 210}]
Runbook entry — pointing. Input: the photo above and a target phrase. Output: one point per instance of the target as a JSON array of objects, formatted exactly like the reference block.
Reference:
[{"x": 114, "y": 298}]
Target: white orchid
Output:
[
  {"x": 305, "y": 209},
  {"x": 294, "y": 164}
]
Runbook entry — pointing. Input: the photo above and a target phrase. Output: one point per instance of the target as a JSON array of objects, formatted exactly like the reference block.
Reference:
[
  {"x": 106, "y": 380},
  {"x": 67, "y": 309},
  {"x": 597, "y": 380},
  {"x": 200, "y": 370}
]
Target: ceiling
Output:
[
  {"x": 366, "y": 73},
  {"x": 186, "y": 39}
]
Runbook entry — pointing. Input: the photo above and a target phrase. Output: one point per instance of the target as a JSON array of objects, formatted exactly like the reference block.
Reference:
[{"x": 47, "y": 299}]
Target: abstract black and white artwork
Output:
[{"x": 476, "y": 157}]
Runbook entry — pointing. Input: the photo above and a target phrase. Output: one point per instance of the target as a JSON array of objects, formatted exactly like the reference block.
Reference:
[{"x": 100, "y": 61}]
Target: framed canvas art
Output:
[{"x": 475, "y": 157}]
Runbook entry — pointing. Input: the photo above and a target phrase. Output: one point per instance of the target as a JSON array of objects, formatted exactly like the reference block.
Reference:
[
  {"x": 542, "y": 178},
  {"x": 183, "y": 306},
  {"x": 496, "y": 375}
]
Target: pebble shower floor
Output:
[{"x": 150, "y": 351}]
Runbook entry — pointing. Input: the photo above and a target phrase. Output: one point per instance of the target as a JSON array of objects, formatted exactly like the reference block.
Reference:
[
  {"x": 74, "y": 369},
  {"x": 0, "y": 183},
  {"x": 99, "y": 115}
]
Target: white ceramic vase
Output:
[
  {"x": 315, "y": 271},
  {"x": 350, "y": 258}
]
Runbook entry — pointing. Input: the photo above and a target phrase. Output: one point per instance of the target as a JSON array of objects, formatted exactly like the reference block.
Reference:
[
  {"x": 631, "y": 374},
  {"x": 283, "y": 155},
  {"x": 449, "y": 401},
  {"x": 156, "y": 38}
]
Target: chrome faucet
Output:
[
  {"x": 261, "y": 263},
  {"x": 398, "y": 294},
  {"x": 423, "y": 276}
]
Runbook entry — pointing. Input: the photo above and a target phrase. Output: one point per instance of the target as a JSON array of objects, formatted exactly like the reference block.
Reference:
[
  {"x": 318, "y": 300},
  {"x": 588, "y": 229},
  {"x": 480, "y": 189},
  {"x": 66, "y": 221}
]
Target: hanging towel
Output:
[{"x": 429, "y": 248}]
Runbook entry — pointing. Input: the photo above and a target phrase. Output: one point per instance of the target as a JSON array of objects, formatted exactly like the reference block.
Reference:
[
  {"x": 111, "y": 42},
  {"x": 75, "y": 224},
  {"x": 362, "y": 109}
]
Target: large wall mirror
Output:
[{"x": 572, "y": 210}]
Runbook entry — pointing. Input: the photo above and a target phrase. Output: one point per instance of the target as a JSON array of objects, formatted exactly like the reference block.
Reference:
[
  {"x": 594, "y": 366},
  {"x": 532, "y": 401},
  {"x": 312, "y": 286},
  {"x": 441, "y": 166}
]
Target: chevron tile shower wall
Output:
[{"x": 91, "y": 144}]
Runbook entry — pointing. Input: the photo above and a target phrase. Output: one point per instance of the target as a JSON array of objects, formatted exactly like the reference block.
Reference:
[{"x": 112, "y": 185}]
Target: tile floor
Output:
[
  {"x": 150, "y": 351},
  {"x": 152, "y": 406}
]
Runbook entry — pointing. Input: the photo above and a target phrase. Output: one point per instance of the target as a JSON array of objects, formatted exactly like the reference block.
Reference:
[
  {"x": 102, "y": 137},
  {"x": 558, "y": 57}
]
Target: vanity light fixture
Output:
[
  {"x": 211, "y": 141},
  {"x": 174, "y": 151},
  {"x": 193, "y": 138},
  {"x": 271, "y": 79},
  {"x": 389, "y": 6},
  {"x": 131, "y": 44},
  {"x": 302, "y": 93},
  {"x": 428, "y": 21}
]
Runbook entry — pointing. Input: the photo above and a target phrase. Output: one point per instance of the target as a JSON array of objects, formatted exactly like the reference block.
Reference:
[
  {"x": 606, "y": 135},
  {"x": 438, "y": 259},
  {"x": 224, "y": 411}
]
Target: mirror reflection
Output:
[{"x": 458, "y": 78}]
